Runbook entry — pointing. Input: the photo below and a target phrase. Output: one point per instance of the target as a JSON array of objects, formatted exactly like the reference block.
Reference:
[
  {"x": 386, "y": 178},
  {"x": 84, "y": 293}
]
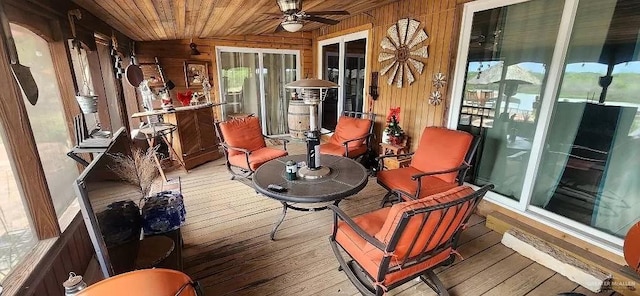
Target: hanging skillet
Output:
[
  {"x": 21, "y": 73},
  {"x": 133, "y": 73}
]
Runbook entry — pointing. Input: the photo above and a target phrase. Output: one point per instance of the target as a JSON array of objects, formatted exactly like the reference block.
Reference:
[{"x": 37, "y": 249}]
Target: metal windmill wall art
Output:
[{"x": 402, "y": 51}]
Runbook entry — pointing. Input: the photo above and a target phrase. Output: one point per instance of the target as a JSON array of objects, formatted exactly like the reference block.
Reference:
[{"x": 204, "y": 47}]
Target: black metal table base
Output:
[{"x": 286, "y": 206}]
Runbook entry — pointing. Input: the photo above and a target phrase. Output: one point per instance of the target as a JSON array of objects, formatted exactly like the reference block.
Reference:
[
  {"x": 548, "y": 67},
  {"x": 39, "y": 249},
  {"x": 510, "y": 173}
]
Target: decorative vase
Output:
[
  {"x": 385, "y": 137},
  {"x": 163, "y": 212}
]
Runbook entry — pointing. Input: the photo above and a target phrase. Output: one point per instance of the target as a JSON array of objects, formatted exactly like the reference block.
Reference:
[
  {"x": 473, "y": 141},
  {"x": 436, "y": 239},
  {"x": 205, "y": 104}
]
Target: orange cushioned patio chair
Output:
[
  {"x": 353, "y": 135},
  {"x": 244, "y": 147},
  {"x": 393, "y": 245},
  {"x": 439, "y": 163},
  {"x": 145, "y": 282}
]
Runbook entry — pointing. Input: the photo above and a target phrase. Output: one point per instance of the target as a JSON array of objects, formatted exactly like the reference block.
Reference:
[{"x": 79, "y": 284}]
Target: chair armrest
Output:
[
  {"x": 228, "y": 147},
  {"x": 372, "y": 240},
  {"x": 346, "y": 143},
  {"x": 418, "y": 176},
  {"x": 394, "y": 155},
  {"x": 356, "y": 139},
  {"x": 283, "y": 141}
]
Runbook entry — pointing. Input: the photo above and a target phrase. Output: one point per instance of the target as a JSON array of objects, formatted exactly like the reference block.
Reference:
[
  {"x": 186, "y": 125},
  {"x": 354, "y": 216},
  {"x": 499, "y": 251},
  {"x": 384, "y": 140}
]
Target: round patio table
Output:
[{"x": 347, "y": 177}]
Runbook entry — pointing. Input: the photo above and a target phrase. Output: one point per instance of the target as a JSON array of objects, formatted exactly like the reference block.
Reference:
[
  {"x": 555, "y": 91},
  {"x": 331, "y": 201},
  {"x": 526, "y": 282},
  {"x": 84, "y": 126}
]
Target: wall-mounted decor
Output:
[
  {"x": 435, "y": 98},
  {"x": 195, "y": 72},
  {"x": 402, "y": 50},
  {"x": 439, "y": 80}
]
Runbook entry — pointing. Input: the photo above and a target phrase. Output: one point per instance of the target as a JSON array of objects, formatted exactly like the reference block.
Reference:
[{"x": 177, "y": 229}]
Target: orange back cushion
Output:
[
  {"x": 349, "y": 128},
  {"x": 243, "y": 133},
  {"x": 441, "y": 149},
  {"x": 632, "y": 247},
  {"x": 429, "y": 233}
]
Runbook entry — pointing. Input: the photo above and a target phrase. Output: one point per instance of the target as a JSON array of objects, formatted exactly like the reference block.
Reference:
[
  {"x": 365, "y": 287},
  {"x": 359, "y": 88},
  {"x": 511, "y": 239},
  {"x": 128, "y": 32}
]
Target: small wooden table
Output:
[{"x": 391, "y": 149}]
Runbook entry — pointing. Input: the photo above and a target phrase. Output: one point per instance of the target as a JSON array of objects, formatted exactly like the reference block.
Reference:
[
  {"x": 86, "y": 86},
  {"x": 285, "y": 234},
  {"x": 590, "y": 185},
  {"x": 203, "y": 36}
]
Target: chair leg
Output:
[
  {"x": 387, "y": 198},
  {"x": 432, "y": 280}
]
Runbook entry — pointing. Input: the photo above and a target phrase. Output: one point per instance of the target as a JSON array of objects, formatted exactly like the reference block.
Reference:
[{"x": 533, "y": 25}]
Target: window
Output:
[
  {"x": 47, "y": 118},
  {"x": 591, "y": 162},
  {"x": 16, "y": 235},
  {"x": 504, "y": 81},
  {"x": 561, "y": 118}
]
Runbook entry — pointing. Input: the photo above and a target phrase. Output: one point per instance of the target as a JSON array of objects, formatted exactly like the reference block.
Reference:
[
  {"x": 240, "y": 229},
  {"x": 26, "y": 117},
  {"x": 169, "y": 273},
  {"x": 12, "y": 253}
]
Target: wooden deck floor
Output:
[{"x": 227, "y": 247}]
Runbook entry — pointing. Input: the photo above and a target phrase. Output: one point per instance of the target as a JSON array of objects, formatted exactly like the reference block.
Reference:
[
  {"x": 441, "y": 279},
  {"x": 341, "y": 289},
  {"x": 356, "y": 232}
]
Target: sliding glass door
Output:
[
  {"x": 252, "y": 82},
  {"x": 343, "y": 61},
  {"x": 552, "y": 88}
]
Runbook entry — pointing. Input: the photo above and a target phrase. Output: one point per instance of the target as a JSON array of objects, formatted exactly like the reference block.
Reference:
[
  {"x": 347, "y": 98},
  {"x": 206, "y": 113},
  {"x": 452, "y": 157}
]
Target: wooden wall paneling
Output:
[
  {"x": 99, "y": 89},
  {"x": 63, "y": 72},
  {"x": 438, "y": 18},
  {"x": 72, "y": 251}
]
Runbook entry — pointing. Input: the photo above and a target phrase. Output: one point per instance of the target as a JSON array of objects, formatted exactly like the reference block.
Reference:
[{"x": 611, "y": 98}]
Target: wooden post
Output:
[{"x": 21, "y": 148}]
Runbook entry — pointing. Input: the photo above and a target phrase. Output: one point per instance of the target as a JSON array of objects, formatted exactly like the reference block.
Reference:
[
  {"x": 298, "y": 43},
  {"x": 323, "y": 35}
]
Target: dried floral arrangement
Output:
[{"x": 139, "y": 169}]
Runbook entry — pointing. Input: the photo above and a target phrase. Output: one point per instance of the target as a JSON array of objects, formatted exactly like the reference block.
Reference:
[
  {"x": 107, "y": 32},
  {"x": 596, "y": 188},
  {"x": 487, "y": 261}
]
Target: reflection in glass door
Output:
[
  {"x": 343, "y": 61},
  {"x": 279, "y": 69},
  {"x": 590, "y": 166},
  {"x": 252, "y": 82},
  {"x": 239, "y": 83},
  {"x": 506, "y": 70},
  {"x": 565, "y": 149},
  {"x": 354, "y": 64},
  {"x": 331, "y": 72}
]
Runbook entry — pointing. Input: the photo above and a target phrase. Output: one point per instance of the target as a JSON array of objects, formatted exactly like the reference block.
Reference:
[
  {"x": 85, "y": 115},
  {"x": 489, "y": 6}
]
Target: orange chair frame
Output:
[
  {"x": 399, "y": 194},
  {"x": 243, "y": 172},
  {"x": 368, "y": 138},
  {"x": 369, "y": 284}
]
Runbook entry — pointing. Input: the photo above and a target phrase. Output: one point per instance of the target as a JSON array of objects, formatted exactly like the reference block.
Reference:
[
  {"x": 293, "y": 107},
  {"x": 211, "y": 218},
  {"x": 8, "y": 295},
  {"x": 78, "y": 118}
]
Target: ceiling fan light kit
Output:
[
  {"x": 292, "y": 26},
  {"x": 294, "y": 18}
]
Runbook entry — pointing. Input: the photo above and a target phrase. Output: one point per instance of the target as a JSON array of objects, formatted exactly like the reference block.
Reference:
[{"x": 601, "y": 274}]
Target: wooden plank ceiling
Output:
[{"x": 145, "y": 20}]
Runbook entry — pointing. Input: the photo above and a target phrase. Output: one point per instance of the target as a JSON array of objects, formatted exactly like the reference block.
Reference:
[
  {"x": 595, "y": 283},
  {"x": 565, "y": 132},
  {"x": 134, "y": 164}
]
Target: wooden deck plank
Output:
[
  {"x": 227, "y": 246},
  {"x": 554, "y": 285},
  {"x": 522, "y": 282},
  {"x": 491, "y": 276}
]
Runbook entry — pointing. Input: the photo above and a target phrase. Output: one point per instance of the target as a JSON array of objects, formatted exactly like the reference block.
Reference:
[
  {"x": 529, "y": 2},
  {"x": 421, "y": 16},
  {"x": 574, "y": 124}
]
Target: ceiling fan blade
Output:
[
  {"x": 279, "y": 28},
  {"x": 328, "y": 12},
  {"x": 321, "y": 20}
]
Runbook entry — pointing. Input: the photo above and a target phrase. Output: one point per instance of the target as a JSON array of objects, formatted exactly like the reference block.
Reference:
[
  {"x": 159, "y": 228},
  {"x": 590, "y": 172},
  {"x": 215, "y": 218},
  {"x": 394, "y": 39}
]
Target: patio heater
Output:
[{"x": 312, "y": 92}]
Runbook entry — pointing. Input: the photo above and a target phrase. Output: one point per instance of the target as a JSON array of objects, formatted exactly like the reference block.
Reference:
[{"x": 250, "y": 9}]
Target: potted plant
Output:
[{"x": 393, "y": 133}]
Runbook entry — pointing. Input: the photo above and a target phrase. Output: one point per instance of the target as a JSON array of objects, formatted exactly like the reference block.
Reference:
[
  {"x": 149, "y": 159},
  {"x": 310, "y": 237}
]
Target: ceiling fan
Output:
[{"x": 294, "y": 17}]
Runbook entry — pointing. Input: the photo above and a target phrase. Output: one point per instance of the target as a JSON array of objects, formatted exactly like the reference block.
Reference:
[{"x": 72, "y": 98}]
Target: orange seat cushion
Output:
[
  {"x": 382, "y": 224},
  {"x": 143, "y": 282},
  {"x": 350, "y": 128},
  {"x": 338, "y": 150},
  {"x": 256, "y": 158},
  {"x": 400, "y": 179},
  {"x": 244, "y": 133},
  {"x": 441, "y": 149},
  {"x": 632, "y": 247}
]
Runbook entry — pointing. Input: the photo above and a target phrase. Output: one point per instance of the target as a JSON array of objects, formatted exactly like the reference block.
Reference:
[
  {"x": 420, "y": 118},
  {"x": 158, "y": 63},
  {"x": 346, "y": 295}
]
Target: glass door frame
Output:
[
  {"x": 341, "y": 41},
  {"x": 260, "y": 52},
  {"x": 555, "y": 71}
]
